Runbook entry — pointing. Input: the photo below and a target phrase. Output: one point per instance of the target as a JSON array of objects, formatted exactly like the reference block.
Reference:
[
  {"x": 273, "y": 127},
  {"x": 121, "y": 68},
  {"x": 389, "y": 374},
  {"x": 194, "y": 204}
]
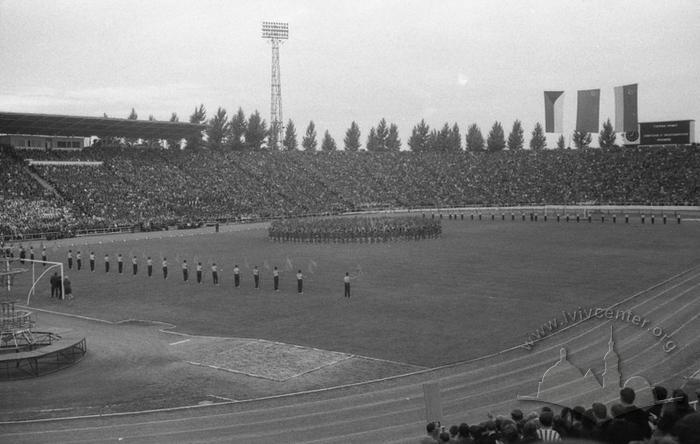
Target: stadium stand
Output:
[{"x": 154, "y": 187}]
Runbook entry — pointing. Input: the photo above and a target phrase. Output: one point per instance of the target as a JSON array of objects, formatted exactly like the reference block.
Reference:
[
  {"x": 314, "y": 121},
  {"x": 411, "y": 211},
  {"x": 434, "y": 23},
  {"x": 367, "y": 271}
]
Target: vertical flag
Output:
[
  {"x": 588, "y": 110},
  {"x": 553, "y": 111},
  {"x": 626, "y": 108}
]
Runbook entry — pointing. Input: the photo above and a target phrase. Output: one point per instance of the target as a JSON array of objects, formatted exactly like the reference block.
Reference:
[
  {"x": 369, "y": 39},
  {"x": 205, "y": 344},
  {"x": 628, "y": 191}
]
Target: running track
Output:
[{"x": 392, "y": 411}]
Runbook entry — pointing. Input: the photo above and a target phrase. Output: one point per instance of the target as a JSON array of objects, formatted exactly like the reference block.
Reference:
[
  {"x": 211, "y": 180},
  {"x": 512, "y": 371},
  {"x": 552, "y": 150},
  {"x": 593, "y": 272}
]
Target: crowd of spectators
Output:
[
  {"x": 354, "y": 229},
  {"x": 670, "y": 420},
  {"x": 158, "y": 187}
]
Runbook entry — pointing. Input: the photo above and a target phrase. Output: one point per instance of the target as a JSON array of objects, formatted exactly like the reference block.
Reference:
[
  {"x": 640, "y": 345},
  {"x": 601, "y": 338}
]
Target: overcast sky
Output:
[{"x": 455, "y": 61}]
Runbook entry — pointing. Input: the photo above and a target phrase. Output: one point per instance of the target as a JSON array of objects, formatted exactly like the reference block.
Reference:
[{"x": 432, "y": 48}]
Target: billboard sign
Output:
[{"x": 673, "y": 132}]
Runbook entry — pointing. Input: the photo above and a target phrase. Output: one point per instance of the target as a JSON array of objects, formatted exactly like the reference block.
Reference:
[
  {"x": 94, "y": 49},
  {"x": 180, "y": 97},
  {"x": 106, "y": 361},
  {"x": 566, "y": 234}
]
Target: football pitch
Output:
[{"x": 480, "y": 288}]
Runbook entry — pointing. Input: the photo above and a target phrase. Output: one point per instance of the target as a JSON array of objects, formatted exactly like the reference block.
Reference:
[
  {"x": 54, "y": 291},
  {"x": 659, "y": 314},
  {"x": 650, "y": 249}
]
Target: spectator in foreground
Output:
[
  {"x": 634, "y": 414},
  {"x": 546, "y": 433},
  {"x": 431, "y": 434}
]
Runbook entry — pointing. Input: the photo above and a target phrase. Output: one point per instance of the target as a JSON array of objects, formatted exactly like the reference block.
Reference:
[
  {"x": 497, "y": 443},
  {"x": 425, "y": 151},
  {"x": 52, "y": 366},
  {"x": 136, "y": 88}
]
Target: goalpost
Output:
[{"x": 10, "y": 272}]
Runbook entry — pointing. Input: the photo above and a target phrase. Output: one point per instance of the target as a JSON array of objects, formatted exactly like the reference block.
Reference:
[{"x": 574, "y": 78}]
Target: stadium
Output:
[{"x": 167, "y": 281}]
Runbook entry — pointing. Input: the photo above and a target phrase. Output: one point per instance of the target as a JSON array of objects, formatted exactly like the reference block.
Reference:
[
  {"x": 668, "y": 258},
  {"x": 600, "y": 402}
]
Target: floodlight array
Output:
[{"x": 275, "y": 30}]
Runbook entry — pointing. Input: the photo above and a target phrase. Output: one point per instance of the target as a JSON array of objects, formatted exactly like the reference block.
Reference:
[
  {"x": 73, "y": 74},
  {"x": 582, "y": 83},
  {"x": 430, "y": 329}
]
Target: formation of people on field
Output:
[
  {"x": 671, "y": 419},
  {"x": 355, "y": 229},
  {"x": 135, "y": 186}
]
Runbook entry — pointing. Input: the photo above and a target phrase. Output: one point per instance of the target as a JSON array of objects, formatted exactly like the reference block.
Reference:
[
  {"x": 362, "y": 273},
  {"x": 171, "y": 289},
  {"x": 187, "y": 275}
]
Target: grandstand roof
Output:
[{"x": 59, "y": 125}]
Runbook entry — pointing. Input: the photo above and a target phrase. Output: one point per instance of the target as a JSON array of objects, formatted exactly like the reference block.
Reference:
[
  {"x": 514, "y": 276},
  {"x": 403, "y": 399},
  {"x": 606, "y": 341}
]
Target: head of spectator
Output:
[
  {"x": 444, "y": 437},
  {"x": 600, "y": 411},
  {"x": 546, "y": 419},
  {"x": 509, "y": 434},
  {"x": 454, "y": 431},
  {"x": 659, "y": 393},
  {"x": 627, "y": 396},
  {"x": 687, "y": 429},
  {"x": 476, "y": 431},
  {"x": 430, "y": 429},
  {"x": 577, "y": 413},
  {"x": 464, "y": 430},
  {"x": 530, "y": 430},
  {"x": 616, "y": 410},
  {"x": 516, "y": 415}
]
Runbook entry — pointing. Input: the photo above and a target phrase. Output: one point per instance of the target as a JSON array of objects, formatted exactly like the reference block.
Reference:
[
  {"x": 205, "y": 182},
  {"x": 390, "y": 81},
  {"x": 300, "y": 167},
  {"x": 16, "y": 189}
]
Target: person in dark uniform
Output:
[
  {"x": 106, "y": 263},
  {"x": 215, "y": 274},
  {"x": 300, "y": 282},
  {"x": 185, "y": 271},
  {"x": 22, "y": 254},
  {"x": 256, "y": 277},
  {"x": 55, "y": 285},
  {"x": 199, "y": 272},
  {"x": 120, "y": 263},
  {"x": 92, "y": 261},
  {"x": 79, "y": 260},
  {"x": 31, "y": 252},
  {"x": 236, "y": 276},
  {"x": 346, "y": 281},
  {"x": 276, "y": 278},
  {"x": 165, "y": 268},
  {"x": 43, "y": 256},
  {"x": 134, "y": 265},
  {"x": 70, "y": 259},
  {"x": 67, "y": 289},
  {"x": 149, "y": 266}
]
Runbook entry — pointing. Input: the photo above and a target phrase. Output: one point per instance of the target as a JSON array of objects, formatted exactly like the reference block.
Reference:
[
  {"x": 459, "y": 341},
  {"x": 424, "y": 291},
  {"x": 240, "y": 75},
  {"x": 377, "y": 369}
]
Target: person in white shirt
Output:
[
  {"x": 149, "y": 266},
  {"x": 215, "y": 274},
  {"x": 134, "y": 265},
  {"x": 165, "y": 268},
  {"x": 236, "y": 276},
  {"x": 199, "y": 272},
  {"x": 185, "y": 271},
  {"x": 346, "y": 281},
  {"x": 276, "y": 278},
  {"x": 256, "y": 277},
  {"x": 300, "y": 282}
]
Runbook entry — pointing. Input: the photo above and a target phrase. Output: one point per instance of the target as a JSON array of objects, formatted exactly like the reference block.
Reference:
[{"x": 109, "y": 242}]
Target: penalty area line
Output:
[{"x": 180, "y": 342}]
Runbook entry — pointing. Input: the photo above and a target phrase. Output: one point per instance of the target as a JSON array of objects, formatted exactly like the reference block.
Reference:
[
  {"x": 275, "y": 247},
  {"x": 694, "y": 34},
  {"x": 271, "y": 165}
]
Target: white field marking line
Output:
[
  {"x": 389, "y": 378},
  {"x": 180, "y": 342}
]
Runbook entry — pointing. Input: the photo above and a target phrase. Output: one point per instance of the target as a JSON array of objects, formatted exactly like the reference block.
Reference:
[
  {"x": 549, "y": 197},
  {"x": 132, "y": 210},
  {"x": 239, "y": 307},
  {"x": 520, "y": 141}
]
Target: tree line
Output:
[{"x": 239, "y": 133}]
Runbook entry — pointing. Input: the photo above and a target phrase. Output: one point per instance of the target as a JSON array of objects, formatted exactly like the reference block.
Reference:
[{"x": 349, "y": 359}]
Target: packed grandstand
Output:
[{"x": 151, "y": 188}]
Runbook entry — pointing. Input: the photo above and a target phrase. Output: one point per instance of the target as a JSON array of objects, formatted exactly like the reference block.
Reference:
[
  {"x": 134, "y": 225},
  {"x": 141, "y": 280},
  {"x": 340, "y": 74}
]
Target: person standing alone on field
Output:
[
  {"x": 134, "y": 265},
  {"x": 92, "y": 261},
  {"x": 300, "y": 282},
  {"x": 106, "y": 263},
  {"x": 120, "y": 263},
  {"x": 256, "y": 277},
  {"x": 165, "y": 268},
  {"x": 236, "y": 276},
  {"x": 185, "y": 273},
  {"x": 276, "y": 278},
  {"x": 346, "y": 281}
]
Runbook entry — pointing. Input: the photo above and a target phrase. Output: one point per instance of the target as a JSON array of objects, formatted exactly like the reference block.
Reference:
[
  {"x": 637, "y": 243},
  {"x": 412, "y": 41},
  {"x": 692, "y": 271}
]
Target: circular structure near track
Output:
[
  {"x": 25, "y": 352},
  {"x": 355, "y": 229}
]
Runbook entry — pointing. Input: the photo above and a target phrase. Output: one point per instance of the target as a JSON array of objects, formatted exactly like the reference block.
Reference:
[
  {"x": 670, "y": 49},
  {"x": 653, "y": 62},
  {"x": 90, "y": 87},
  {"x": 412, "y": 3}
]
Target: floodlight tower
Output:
[{"x": 276, "y": 33}]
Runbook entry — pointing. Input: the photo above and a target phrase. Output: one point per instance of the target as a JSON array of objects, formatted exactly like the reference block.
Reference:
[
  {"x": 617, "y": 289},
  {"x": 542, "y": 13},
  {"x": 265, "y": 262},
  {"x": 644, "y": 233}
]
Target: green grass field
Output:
[{"x": 480, "y": 288}]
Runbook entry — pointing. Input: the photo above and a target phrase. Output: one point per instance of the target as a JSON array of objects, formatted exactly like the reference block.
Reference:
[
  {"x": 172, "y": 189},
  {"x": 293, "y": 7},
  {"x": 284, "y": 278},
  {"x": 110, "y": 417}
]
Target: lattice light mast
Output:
[{"x": 276, "y": 33}]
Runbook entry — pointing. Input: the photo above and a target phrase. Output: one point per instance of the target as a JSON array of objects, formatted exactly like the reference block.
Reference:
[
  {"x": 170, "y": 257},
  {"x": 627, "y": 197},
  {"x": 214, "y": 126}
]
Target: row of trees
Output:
[{"x": 251, "y": 133}]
